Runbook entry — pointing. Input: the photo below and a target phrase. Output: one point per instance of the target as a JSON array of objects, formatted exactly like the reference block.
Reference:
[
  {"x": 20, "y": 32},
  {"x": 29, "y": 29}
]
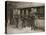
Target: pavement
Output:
[{"x": 11, "y": 29}]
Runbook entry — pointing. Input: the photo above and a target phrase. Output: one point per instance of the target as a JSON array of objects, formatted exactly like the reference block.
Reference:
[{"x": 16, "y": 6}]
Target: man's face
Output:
[{"x": 33, "y": 10}]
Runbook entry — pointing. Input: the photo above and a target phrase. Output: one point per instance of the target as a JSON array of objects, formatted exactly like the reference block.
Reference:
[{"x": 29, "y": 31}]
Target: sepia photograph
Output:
[{"x": 24, "y": 17}]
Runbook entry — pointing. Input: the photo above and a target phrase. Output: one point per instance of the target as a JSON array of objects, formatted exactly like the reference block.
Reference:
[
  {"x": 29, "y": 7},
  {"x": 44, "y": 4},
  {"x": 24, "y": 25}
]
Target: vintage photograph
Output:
[{"x": 24, "y": 17}]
